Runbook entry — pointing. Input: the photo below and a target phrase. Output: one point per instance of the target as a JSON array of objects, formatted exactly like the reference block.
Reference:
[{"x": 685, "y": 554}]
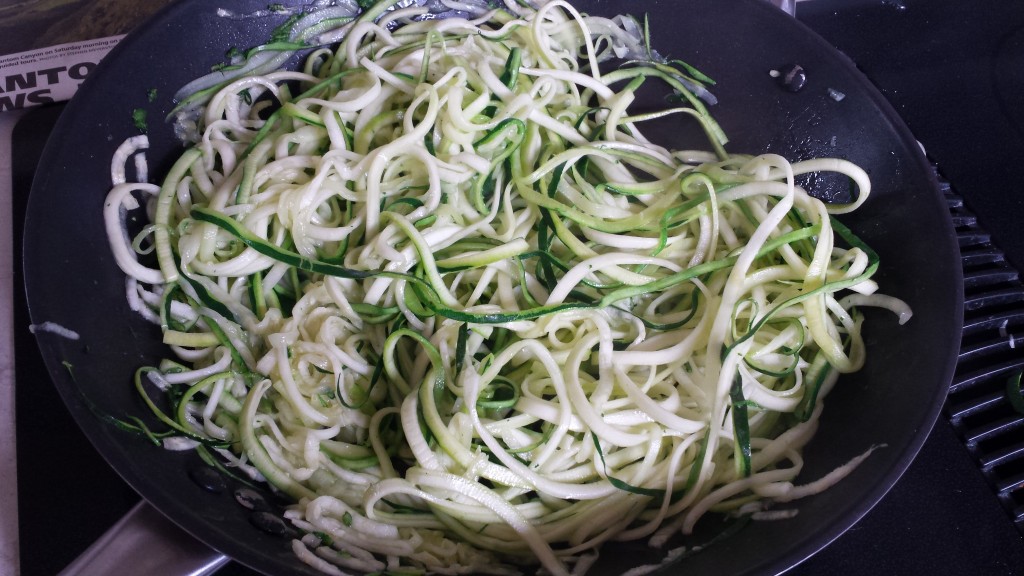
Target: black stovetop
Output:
[{"x": 953, "y": 70}]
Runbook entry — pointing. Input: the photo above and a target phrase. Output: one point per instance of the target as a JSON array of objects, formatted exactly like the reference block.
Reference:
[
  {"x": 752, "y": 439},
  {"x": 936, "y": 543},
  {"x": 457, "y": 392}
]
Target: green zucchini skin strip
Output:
[
  {"x": 306, "y": 264},
  {"x": 164, "y": 418},
  {"x": 1014, "y": 392},
  {"x": 741, "y": 427}
]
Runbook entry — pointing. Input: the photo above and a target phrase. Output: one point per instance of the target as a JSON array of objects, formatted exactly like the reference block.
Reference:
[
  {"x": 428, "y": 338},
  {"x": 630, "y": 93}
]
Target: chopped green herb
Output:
[{"x": 139, "y": 119}]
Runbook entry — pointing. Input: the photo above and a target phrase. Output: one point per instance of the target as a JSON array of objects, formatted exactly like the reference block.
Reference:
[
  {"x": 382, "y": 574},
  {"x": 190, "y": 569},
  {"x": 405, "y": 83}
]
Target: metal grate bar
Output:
[
  {"x": 986, "y": 348},
  {"x": 1017, "y": 514},
  {"x": 967, "y": 240},
  {"x": 975, "y": 405},
  {"x": 992, "y": 428},
  {"x": 1010, "y": 483},
  {"x": 989, "y": 278},
  {"x": 994, "y": 298},
  {"x": 998, "y": 322},
  {"x": 999, "y": 457},
  {"x": 982, "y": 257},
  {"x": 984, "y": 376}
]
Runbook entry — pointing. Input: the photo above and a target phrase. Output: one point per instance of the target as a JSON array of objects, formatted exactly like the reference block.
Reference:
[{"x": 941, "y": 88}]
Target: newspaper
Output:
[{"x": 50, "y": 74}]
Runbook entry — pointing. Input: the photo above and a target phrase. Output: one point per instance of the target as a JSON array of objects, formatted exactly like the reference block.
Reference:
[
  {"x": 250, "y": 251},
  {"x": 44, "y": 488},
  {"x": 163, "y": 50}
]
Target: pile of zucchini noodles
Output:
[{"x": 437, "y": 287}]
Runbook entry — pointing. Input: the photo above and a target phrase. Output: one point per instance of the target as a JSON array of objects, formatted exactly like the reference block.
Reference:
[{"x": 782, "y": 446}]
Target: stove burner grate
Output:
[{"x": 991, "y": 360}]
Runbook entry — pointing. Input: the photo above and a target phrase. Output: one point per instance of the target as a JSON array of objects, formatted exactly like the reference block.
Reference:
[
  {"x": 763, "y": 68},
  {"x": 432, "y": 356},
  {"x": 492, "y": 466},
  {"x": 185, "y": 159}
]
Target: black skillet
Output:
[{"x": 72, "y": 280}]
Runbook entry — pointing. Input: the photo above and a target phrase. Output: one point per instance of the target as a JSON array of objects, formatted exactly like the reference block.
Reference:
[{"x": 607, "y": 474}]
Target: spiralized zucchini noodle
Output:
[{"x": 438, "y": 288}]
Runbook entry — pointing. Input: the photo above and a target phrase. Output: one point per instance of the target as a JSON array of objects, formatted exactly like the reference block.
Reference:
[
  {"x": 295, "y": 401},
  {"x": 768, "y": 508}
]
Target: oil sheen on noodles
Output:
[{"x": 438, "y": 287}]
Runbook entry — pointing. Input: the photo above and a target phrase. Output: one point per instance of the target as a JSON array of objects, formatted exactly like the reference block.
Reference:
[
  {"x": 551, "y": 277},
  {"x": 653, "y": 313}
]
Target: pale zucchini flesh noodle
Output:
[{"x": 437, "y": 287}]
